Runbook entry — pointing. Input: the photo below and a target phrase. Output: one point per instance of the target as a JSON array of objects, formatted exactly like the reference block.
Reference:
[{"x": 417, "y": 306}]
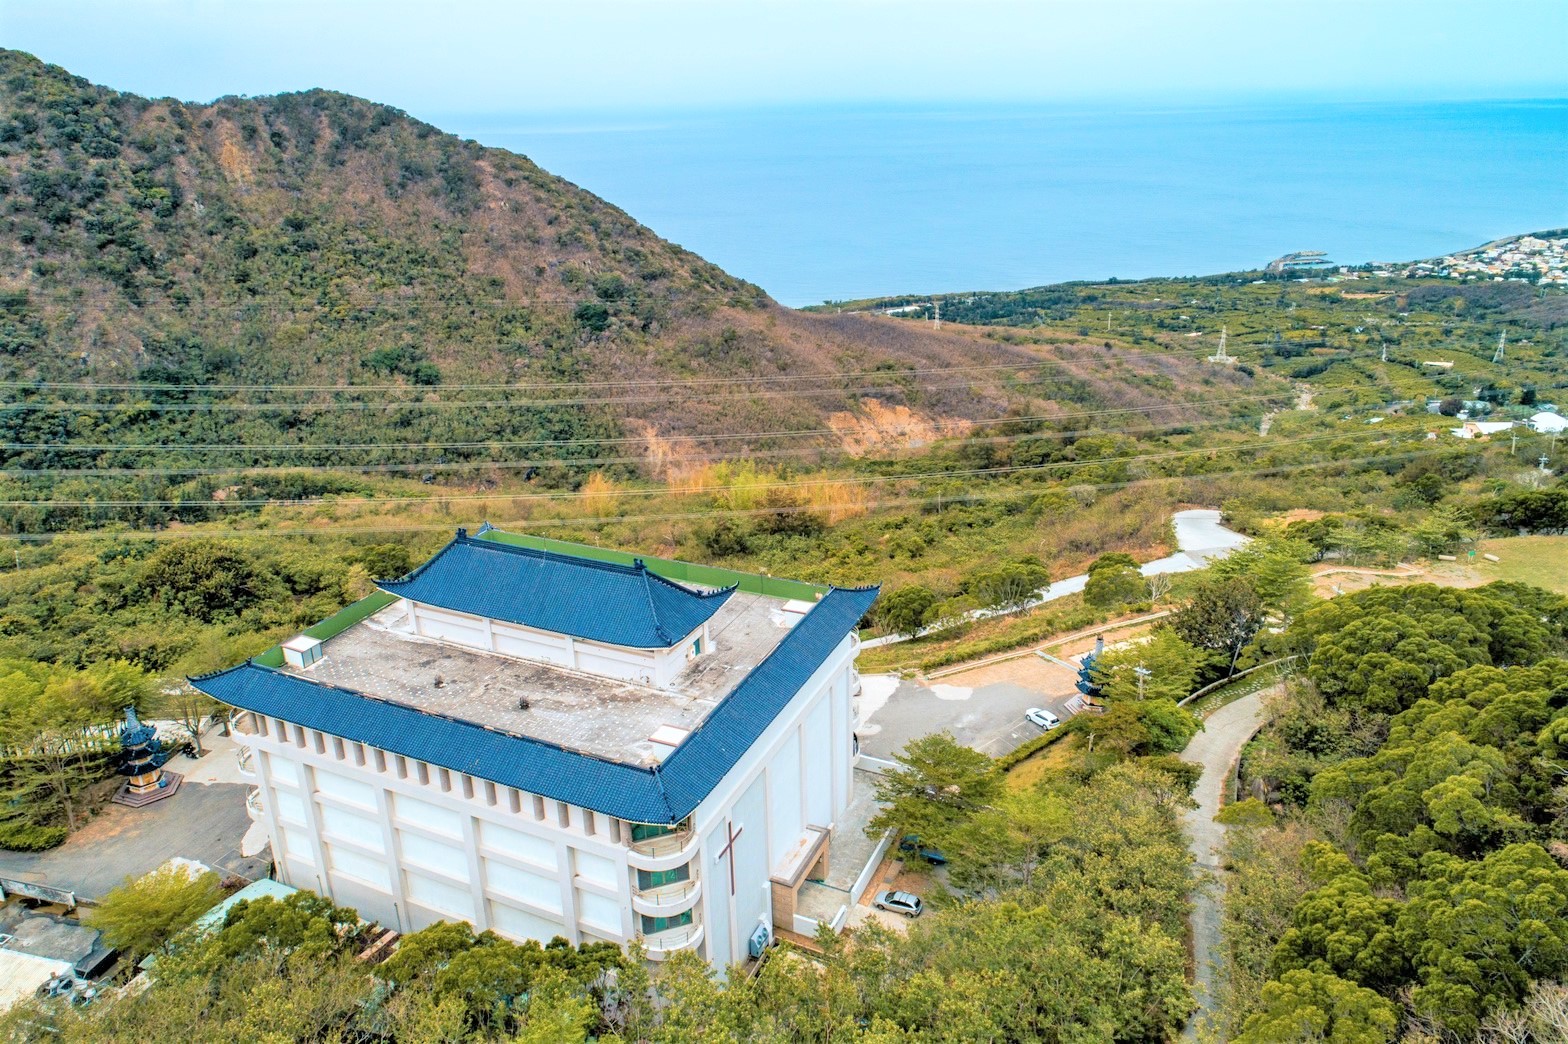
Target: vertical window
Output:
[
  {"x": 696, "y": 647},
  {"x": 644, "y": 831},
  {"x": 650, "y": 925}
]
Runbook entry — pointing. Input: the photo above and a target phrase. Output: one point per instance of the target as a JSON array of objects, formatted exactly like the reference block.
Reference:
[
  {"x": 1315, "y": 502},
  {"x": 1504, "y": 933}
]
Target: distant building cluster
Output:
[{"x": 1527, "y": 258}]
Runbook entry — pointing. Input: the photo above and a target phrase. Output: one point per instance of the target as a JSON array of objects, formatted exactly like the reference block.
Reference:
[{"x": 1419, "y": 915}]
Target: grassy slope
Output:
[{"x": 1538, "y": 560}]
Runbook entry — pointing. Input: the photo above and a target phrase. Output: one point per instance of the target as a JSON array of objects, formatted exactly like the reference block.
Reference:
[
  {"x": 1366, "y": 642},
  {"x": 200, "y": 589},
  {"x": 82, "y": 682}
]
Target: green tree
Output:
[
  {"x": 1114, "y": 580},
  {"x": 205, "y": 579},
  {"x": 1481, "y": 932},
  {"x": 1171, "y": 665},
  {"x": 44, "y": 711},
  {"x": 906, "y": 610},
  {"x": 1342, "y": 928},
  {"x": 1276, "y": 568},
  {"x": 144, "y": 914},
  {"x": 1222, "y": 616},
  {"x": 938, "y": 784},
  {"x": 1311, "y": 1007},
  {"x": 1442, "y": 530},
  {"x": 1011, "y": 585}
]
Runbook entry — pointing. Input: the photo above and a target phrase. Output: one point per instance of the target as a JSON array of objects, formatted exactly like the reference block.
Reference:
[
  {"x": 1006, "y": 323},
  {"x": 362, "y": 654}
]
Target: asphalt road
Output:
[{"x": 1216, "y": 748}]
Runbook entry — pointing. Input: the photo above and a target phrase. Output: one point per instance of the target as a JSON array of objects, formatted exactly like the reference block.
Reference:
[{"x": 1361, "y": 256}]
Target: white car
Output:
[
  {"x": 899, "y": 902},
  {"x": 1043, "y": 718}
]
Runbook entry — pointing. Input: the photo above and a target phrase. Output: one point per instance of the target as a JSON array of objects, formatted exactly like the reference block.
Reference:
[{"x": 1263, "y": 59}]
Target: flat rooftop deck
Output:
[{"x": 600, "y": 716}]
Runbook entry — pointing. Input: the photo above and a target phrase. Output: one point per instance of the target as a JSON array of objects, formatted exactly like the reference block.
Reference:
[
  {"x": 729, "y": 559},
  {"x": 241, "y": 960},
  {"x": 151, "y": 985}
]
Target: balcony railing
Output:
[
  {"x": 661, "y": 944},
  {"x": 663, "y": 845},
  {"x": 240, "y": 722},
  {"x": 665, "y": 900},
  {"x": 253, "y": 806},
  {"x": 245, "y": 758}
]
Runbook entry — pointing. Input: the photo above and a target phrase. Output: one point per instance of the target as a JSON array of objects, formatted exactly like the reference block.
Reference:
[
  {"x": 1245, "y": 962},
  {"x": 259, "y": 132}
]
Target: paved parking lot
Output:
[
  {"x": 982, "y": 708},
  {"x": 204, "y": 822}
]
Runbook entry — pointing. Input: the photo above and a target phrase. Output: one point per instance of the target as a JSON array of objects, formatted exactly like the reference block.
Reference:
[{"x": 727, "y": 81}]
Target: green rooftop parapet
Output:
[
  {"x": 335, "y": 624},
  {"x": 669, "y": 568}
]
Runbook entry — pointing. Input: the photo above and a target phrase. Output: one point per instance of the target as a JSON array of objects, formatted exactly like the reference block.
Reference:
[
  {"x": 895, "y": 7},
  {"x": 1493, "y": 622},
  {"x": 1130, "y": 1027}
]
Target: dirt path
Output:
[{"x": 1215, "y": 748}]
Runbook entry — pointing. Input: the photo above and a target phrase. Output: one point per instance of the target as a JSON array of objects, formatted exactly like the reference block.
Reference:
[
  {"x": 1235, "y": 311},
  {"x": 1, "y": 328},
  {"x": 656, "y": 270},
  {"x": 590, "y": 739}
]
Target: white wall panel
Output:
[
  {"x": 283, "y": 770},
  {"x": 435, "y": 855},
  {"x": 296, "y": 844},
  {"x": 518, "y": 844},
  {"x": 820, "y": 765},
  {"x": 784, "y": 810},
  {"x": 345, "y": 789},
  {"x": 520, "y": 924},
  {"x": 599, "y": 911},
  {"x": 438, "y": 895},
  {"x": 290, "y": 806},
  {"x": 599, "y": 870},
  {"x": 356, "y": 864},
  {"x": 514, "y": 883},
  {"x": 351, "y": 826},
  {"x": 431, "y": 817}
]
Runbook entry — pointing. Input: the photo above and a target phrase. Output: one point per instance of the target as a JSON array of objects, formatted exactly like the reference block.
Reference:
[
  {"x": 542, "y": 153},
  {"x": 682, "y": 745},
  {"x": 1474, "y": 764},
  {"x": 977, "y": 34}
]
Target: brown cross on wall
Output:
[{"x": 728, "y": 851}]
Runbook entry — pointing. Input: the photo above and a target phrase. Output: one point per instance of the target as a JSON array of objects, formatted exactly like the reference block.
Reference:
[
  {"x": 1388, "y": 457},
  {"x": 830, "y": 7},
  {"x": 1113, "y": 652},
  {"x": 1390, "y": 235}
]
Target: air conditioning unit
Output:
[{"x": 759, "y": 941}]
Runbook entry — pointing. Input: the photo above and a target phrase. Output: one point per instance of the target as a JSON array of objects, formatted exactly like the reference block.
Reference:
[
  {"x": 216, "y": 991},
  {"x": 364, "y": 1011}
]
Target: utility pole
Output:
[
  {"x": 1143, "y": 675},
  {"x": 1385, "y": 351},
  {"x": 1513, "y": 439},
  {"x": 936, "y": 319},
  {"x": 1544, "y": 459}
]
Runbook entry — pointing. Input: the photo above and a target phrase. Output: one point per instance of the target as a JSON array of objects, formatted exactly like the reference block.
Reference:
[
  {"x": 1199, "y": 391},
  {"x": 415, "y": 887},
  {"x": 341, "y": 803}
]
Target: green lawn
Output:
[{"x": 1538, "y": 560}]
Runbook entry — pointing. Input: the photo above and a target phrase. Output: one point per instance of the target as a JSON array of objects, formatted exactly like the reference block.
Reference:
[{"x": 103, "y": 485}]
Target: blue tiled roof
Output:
[
  {"x": 665, "y": 793},
  {"x": 599, "y": 601}
]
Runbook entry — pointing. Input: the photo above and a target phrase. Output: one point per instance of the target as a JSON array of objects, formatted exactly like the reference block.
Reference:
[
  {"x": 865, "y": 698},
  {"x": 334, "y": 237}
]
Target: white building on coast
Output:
[{"x": 544, "y": 744}]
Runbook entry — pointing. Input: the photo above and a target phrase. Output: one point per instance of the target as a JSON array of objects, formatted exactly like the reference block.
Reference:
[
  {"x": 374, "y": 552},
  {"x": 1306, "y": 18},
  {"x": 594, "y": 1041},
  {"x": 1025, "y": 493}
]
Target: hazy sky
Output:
[{"x": 525, "y": 56}]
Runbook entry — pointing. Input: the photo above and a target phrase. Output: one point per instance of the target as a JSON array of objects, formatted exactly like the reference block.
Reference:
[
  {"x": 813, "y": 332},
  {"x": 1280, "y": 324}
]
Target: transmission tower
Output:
[
  {"x": 1221, "y": 356},
  {"x": 1502, "y": 339}
]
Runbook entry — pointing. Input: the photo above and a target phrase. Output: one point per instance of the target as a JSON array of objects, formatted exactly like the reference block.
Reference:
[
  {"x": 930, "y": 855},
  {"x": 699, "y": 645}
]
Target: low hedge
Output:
[
  {"x": 1033, "y": 747},
  {"x": 1048, "y": 626},
  {"x": 30, "y": 837}
]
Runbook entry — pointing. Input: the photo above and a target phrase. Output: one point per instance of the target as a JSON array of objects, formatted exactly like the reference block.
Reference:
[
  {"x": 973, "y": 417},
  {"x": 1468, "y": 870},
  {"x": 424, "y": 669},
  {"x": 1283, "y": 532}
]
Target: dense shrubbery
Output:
[{"x": 1424, "y": 746}]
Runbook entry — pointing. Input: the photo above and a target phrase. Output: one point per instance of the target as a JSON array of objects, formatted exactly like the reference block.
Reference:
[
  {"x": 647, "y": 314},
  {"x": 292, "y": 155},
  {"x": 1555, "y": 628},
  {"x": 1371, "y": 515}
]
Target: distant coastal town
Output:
[{"x": 1540, "y": 258}]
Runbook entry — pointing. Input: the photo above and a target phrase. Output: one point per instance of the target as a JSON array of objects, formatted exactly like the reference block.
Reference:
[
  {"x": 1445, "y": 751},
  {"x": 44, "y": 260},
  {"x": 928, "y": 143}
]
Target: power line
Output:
[
  {"x": 640, "y": 439},
  {"x": 1019, "y": 364},
  {"x": 581, "y": 462},
  {"x": 703, "y": 514},
  {"x": 662, "y": 491},
  {"x": 1285, "y": 394}
]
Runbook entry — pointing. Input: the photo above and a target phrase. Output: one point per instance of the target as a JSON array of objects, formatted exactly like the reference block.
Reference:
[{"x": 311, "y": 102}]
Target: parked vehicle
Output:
[
  {"x": 905, "y": 903},
  {"x": 1043, "y": 718},
  {"x": 911, "y": 846}
]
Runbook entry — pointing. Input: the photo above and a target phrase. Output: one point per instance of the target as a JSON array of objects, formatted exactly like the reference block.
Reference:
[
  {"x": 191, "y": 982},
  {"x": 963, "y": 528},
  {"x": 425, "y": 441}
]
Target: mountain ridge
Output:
[{"x": 316, "y": 237}]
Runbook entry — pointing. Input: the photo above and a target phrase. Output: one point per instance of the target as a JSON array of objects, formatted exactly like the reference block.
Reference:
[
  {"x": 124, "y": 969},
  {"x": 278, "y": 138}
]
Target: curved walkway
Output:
[{"x": 1216, "y": 748}]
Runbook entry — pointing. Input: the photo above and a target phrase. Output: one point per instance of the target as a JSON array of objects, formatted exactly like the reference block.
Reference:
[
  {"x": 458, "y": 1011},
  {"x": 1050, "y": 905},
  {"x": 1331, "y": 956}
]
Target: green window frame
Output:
[
  {"x": 653, "y": 925},
  {"x": 647, "y": 879},
  {"x": 647, "y": 831}
]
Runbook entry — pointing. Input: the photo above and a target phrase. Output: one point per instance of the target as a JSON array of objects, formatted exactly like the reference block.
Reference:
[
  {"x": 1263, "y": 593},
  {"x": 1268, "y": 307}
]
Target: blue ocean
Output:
[{"x": 815, "y": 204}]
